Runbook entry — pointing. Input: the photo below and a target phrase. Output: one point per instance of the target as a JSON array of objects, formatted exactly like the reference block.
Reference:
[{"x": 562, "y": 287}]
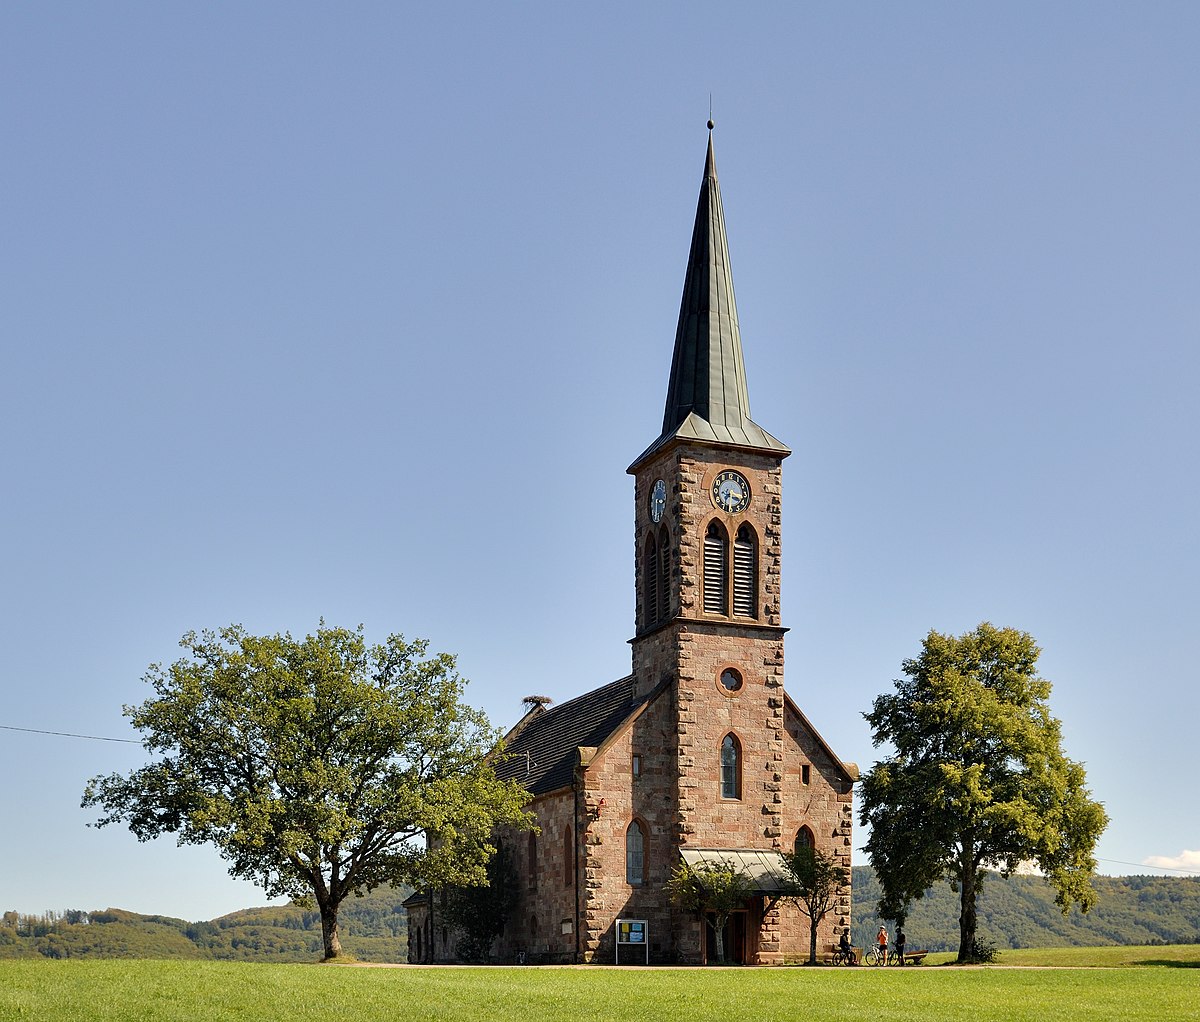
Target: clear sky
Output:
[{"x": 361, "y": 311}]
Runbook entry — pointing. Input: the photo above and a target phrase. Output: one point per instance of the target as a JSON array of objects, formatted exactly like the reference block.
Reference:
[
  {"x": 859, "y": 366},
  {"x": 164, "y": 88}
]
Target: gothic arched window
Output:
[
  {"x": 804, "y": 839},
  {"x": 745, "y": 573},
  {"x": 568, "y": 857},
  {"x": 731, "y": 767},
  {"x": 716, "y": 570},
  {"x": 635, "y": 854}
]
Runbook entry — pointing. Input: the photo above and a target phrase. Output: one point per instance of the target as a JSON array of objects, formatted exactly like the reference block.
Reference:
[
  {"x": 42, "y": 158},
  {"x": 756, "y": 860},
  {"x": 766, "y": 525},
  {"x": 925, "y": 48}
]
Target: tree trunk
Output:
[
  {"x": 719, "y": 930},
  {"x": 329, "y": 930},
  {"x": 966, "y": 916},
  {"x": 812, "y": 940}
]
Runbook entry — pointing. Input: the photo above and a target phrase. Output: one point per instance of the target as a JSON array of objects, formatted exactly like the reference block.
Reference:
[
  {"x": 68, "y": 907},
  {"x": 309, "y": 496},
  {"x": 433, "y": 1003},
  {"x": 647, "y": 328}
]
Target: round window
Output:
[{"x": 731, "y": 680}]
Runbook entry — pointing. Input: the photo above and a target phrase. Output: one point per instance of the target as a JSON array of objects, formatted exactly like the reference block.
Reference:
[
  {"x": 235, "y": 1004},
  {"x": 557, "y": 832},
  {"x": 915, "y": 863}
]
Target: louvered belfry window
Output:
[
  {"x": 650, "y": 581},
  {"x": 745, "y": 565},
  {"x": 664, "y": 575},
  {"x": 716, "y": 570}
]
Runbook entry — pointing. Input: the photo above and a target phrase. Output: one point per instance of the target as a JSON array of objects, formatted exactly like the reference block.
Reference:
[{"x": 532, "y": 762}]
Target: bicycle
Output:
[
  {"x": 846, "y": 957},
  {"x": 876, "y": 957}
]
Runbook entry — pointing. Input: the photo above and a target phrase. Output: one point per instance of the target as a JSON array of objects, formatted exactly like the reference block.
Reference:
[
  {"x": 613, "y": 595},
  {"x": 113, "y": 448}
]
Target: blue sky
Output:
[{"x": 360, "y": 311}]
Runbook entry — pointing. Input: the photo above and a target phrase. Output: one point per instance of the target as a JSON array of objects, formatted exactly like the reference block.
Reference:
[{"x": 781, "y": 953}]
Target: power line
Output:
[
  {"x": 1142, "y": 865},
  {"x": 131, "y": 741},
  {"x": 68, "y": 734}
]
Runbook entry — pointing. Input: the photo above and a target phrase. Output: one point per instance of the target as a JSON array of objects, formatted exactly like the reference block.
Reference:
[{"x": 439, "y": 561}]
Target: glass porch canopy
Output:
[{"x": 766, "y": 870}]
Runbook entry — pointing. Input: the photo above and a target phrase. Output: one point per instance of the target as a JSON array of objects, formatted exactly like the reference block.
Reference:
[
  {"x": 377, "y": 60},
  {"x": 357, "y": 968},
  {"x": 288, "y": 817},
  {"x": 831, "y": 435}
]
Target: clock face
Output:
[
  {"x": 658, "y": 500},
  {"x": 731, "y": 492}
]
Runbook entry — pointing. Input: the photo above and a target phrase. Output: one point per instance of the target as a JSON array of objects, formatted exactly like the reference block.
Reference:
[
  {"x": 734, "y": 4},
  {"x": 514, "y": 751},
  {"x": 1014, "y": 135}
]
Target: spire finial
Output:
[{"x": 711, "y": 125}]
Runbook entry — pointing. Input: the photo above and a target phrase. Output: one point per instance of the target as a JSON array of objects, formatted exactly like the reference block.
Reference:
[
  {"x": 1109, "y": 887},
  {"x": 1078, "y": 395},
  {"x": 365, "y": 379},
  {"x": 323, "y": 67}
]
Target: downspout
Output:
[{"x": 578, "y": 836}]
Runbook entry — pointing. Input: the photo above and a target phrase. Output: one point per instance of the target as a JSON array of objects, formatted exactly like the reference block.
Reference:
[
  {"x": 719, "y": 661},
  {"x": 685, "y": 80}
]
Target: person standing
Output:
[
  {"x": 900, "y": 939},
  {"x": 881, "y": 938}
]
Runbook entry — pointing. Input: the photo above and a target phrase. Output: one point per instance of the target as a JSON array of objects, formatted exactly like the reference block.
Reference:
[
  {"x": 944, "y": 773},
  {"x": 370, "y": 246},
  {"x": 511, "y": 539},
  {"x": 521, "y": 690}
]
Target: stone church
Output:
[{"x": 700, "y": 753}]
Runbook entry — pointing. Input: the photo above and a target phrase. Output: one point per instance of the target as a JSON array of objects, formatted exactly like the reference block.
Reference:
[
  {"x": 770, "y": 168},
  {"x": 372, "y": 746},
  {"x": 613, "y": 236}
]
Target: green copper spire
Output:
[{"x": 707, "y": 398}]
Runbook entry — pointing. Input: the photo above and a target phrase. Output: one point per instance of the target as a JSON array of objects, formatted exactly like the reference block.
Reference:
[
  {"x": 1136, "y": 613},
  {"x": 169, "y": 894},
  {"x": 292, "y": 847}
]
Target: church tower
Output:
[
  {"x": 707, "y": 533},
  {"x": 698, "y": 756}
]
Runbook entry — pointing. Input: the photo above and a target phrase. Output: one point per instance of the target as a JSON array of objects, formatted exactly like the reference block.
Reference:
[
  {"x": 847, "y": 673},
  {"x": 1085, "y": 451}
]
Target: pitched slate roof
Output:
[
  {"x": 706, "y": 397},
  {"x": 542, "y": 749}
]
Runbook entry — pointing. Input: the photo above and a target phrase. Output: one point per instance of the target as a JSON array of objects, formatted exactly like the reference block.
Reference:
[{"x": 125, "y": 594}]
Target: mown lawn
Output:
[
  {"x": 1177, "y": 956},
  {"x": 155, "y": 991}
]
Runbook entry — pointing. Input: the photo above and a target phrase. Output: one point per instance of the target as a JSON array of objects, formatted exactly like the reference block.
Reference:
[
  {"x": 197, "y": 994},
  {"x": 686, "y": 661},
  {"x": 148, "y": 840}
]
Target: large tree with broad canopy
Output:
[
  {"x": 319, "y": 767},
  {"x": 978, "y": 779}
]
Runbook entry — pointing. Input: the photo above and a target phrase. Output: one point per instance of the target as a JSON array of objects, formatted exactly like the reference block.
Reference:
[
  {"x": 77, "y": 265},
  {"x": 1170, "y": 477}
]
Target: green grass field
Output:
[
  {"x": 156, "y": 991},
  {"x": 1176, "y": 956}
]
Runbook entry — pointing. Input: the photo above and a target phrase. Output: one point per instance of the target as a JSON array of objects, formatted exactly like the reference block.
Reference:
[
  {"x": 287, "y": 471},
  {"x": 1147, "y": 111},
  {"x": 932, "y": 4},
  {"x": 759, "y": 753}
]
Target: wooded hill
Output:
[
  {"x": 1020, "y": 912},
  {"x": 1017, "y": 912},
  {"x": 373, "y": 928}
]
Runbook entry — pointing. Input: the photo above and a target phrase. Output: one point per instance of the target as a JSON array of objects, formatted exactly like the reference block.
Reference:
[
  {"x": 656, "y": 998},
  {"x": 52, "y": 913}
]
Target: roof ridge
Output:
[{"x": 583, "y": 695}]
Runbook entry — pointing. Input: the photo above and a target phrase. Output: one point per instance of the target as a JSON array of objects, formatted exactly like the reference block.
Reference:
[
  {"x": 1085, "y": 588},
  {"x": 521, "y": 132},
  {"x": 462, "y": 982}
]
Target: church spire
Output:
[{"x": 706, "y": 397}]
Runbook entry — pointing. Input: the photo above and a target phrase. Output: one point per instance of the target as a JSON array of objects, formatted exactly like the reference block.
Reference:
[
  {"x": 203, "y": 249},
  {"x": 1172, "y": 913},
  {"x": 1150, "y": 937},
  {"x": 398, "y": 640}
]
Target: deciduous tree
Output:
[
  {"x": 715, "y": 889},
  {"x": 318, "y": 768},
  {"x": 481, "y": 911},
  {"x": 817, "y": 880},
  {"x": 978, "y": 779}
]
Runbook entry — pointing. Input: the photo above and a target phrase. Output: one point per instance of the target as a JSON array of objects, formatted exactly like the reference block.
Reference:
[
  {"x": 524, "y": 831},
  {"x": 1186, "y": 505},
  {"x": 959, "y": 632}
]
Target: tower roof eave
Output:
[{"x": 748, "y": 435}]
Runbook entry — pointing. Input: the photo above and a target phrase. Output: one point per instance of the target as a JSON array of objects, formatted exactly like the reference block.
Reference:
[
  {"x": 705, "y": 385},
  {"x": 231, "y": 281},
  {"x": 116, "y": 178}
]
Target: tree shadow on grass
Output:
[{"x": 1168, "y": 963}]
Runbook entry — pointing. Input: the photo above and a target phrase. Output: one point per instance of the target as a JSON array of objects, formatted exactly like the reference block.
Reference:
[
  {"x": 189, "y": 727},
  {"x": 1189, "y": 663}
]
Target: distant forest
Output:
[
  {"x": 373, "y": 928},
  {"x": 1017, "y": 912},
  {"x": 1020, "y": 912}
]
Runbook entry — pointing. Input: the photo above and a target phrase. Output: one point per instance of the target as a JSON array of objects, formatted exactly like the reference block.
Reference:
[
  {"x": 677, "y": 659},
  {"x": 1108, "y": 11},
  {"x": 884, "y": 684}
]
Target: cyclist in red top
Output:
[{"x": 881, "y": 938}]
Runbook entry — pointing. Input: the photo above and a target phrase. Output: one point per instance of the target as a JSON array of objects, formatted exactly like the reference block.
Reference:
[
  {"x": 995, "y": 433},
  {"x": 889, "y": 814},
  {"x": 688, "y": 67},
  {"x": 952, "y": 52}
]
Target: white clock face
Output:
[
  {"x": 731, "y": 492},
  {"x": 658, "y": 500}
]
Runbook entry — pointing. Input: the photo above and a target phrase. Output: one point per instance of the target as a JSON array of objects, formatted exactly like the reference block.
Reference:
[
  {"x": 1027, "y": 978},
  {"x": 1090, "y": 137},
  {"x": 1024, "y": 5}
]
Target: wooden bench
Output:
[{"x": 914, "y": 957}]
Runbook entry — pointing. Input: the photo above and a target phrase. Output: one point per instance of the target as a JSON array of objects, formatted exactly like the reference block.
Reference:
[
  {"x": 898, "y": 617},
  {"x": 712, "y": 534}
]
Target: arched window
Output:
[
  {"x": 745, "y": 572},
  {"x": 716, "y": 570},
  {"x": 731, "y": 767},
  {"x": 664, "y": 575},
  {"x": 635, "y": 854},
  {"x": 650, "y": 584},
  {"x": 533, "y": 863},
  {"x": 804, "y": 839},
  {"x": 568, "y": 857}
]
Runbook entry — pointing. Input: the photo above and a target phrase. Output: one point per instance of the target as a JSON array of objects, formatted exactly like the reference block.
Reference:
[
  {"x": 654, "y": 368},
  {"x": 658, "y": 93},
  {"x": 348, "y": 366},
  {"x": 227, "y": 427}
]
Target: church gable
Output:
[{"x": 817, "y": 790}]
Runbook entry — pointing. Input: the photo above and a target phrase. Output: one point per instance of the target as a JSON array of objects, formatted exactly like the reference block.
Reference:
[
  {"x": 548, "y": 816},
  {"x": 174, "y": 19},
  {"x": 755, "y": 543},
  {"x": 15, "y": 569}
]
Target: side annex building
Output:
[{"x": 700, "y": 753}]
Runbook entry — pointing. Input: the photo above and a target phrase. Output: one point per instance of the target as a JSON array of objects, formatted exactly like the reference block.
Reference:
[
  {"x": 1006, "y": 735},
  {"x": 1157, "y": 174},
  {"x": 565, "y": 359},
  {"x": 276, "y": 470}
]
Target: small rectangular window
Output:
[
  {"x": 636, "y": 765},
  {"x": 805, "y": 776}
]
